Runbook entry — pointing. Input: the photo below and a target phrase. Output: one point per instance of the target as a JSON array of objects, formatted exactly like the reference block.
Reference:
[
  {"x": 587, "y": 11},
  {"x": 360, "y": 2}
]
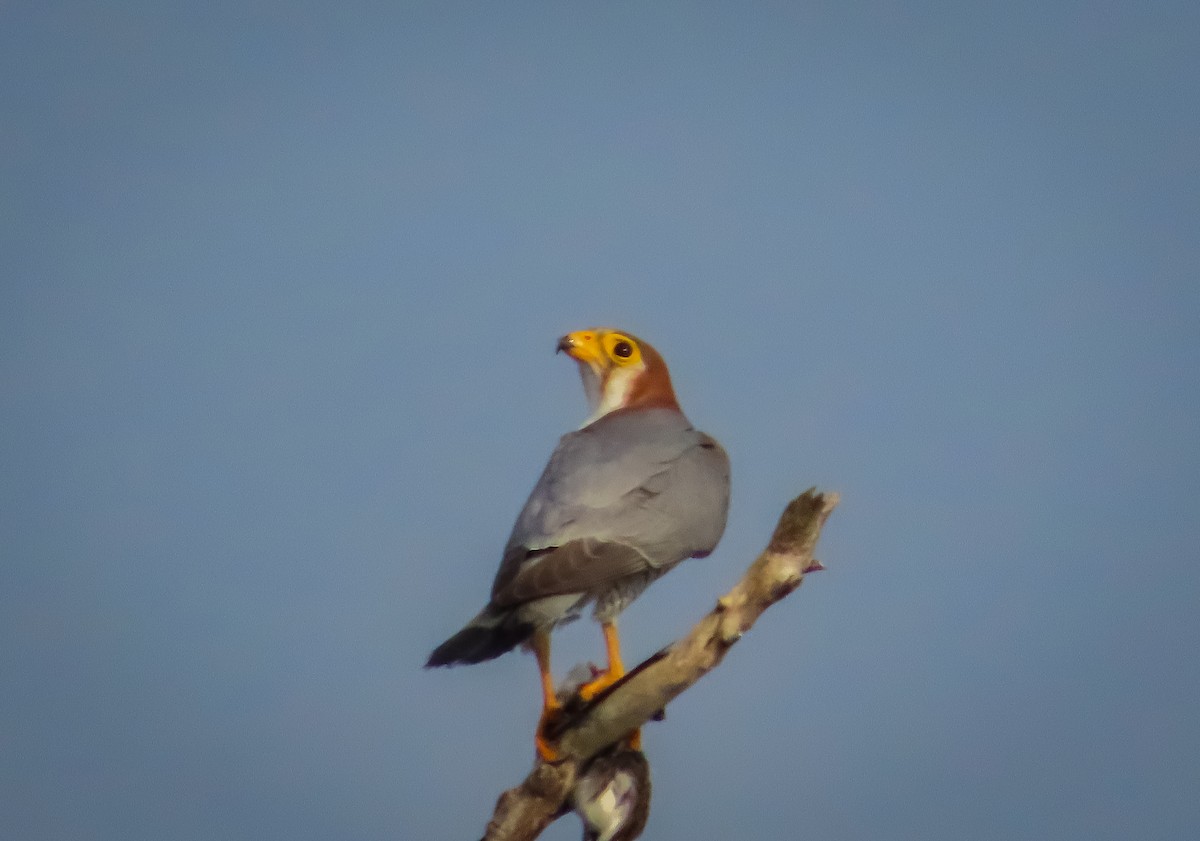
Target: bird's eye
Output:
[{"x": 623, "y": 349}]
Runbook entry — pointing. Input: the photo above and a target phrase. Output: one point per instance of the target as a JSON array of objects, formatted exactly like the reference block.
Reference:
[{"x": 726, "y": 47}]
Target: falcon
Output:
[{"x": 624, "y": 498}]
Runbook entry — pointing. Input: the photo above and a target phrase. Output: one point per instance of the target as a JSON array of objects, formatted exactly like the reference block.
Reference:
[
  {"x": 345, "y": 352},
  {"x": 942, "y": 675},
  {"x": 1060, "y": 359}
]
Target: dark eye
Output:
[{"x": 623, "y": 350}]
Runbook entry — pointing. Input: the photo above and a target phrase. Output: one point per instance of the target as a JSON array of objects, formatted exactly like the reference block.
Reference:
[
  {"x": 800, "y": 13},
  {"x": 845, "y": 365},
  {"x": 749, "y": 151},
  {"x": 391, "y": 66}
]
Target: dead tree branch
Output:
[{"x": 523, "y": 812}]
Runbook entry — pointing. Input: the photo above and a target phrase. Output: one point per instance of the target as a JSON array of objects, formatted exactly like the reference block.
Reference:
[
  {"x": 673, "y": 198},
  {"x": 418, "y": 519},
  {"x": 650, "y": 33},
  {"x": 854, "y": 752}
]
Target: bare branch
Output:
[{"x": 523, "y": 812}]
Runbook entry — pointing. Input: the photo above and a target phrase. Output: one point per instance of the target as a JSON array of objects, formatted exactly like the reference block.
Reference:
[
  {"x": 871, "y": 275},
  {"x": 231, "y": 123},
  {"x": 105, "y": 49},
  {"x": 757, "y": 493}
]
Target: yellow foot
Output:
[
  {"x": 545, "y": 750},
  {"x": 594, "y": 687}
]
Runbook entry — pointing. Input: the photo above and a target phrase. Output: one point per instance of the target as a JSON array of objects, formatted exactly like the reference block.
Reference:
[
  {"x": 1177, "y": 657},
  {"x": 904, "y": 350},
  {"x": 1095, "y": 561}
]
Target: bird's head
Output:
[{"x": 619, "y": 371}]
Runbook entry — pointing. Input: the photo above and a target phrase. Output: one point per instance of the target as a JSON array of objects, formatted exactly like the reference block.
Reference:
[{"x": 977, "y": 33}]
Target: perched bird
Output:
[
  {"x": 623, "y": 499},
  {"x": 612, "y": 796}
]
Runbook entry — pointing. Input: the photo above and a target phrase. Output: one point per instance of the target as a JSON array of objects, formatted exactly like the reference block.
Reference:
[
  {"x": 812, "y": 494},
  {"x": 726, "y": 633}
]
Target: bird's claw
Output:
[
  {"x": 546, "y": 751},
  {"x": 590, "y": 690}
]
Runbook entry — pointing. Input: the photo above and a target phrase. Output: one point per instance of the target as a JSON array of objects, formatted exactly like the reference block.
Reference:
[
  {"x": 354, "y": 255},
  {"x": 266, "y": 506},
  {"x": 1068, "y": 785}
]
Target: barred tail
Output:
[{"x": 490, "y": 634}]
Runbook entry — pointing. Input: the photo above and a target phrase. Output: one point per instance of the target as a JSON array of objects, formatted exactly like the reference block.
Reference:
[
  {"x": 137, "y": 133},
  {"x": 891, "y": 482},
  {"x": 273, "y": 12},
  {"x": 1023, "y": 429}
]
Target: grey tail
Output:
[{"x": 490, "y": 634}]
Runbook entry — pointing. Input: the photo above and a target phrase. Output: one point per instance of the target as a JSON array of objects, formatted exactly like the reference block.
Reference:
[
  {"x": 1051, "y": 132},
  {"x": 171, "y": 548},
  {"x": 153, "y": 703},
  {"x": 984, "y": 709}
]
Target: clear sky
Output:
[{"x": 280, "y": 285}]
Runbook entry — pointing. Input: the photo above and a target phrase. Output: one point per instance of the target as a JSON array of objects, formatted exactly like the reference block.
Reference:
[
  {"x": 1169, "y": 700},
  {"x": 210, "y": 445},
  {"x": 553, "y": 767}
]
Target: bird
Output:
[
  {"x": 612, "y": 796},
  {"x": 623, "y": 499}
]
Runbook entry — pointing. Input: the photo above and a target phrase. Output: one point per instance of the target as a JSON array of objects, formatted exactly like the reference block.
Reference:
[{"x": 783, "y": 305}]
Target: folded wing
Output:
[{"x": 631, "y": 494}]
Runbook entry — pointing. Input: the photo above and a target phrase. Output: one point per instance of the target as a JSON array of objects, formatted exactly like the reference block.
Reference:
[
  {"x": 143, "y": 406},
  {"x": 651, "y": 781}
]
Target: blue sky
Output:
[{"x": 281, "y": 287}]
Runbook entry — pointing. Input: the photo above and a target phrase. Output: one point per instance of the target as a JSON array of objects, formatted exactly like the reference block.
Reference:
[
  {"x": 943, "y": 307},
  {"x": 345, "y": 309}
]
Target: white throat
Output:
[{"x": 607, "y": 396}]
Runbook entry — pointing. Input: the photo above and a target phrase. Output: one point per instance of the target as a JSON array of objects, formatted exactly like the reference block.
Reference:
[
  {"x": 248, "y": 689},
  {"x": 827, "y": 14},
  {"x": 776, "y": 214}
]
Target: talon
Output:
[
  {"x": 545, "y": 750},
  {"x": 593, "y": 688}
]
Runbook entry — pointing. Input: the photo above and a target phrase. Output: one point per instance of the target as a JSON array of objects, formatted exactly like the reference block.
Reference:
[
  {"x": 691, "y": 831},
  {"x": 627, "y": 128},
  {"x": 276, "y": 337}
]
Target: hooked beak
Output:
[{"x": 582, "y": 346}]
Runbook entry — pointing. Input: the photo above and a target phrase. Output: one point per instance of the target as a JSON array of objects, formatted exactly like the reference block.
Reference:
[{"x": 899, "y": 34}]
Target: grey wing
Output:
[
  {"x": 577, "y": 566},
  {"x": 686, "y": 509},
  {"x": 598, "y": 516}
]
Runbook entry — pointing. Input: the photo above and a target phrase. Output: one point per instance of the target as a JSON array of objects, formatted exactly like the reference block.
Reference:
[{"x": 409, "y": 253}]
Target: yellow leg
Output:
[
  {"x": 550, "y": 706},
  {"x": 616, "y": 669}
]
